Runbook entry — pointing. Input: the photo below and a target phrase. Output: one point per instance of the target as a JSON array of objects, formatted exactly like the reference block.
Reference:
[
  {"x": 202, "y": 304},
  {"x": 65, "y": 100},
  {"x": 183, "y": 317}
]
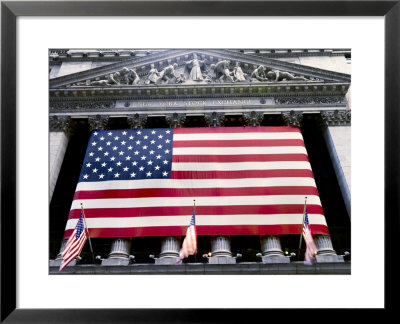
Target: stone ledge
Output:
[{"x": 210, "y": 269}]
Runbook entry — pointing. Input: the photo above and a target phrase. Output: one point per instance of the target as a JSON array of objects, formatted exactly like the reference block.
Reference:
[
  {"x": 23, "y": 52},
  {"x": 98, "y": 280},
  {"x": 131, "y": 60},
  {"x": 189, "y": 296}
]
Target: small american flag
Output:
[
  {"x": 311, "y": 249},
  {"x": 189, "y": 246},
  {"x": 75, "y": 244}
]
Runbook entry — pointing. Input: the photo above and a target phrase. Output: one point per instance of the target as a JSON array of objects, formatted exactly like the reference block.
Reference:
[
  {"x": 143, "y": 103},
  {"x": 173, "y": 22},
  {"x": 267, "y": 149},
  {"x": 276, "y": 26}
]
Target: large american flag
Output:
[
  {"x": 246, "y": 181},
  {"x": 75, "y": 244}
]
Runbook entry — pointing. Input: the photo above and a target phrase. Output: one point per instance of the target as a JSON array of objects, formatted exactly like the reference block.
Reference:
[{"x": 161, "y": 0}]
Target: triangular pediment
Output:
[{"x": 182, "y": 67}]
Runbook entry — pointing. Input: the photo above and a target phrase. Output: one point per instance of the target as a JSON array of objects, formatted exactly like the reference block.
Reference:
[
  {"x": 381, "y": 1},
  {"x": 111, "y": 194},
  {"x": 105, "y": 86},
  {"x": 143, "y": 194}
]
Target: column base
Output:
[
  {"x": 57, "y": 263},
  {"x": 329, "y": 258},
  {"x": 166, "y": 260},
  {"x": 115, "y": 262},
  {"x": 221, "y": 260},
  {"x": 275, "y": 259}
]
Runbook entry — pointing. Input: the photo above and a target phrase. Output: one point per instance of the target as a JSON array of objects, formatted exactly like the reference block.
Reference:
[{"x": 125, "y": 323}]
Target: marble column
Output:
[
  {"x": 253, "y": 118},
  {"x": 170, "y": 247},
  {"x": 221, "y": 250},
  {"x": 119, "y": 254},
  {"x": 214, "y": 119},
  {"x": 325, "y": 252},
  {"x": 136, "y": 121},
  {"x": 337, "y": 134},
  {"x": 98, "y": 122},
  {"x": 271, "y": 250},
  {"x": 292, "y": 118},
  {"x": 175, "y": 120},
  {"x": 60, "y": 131}
]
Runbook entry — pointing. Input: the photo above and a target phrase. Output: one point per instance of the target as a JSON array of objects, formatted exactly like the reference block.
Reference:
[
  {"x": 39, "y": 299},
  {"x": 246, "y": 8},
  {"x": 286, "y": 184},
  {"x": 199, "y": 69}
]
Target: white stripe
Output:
[
  {"x": 196, "y": 183},
  {"x": 239, "y": 150},
  {"x": 126, "y": 222},
  {"x": 234, "y": 166},
  {"x": 237, "y": 136},
  {"x": 200, "y": 201}
]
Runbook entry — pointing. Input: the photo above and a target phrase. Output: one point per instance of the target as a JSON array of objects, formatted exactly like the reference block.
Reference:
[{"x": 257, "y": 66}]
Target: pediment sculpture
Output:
[{"x": 196, "y": 71}]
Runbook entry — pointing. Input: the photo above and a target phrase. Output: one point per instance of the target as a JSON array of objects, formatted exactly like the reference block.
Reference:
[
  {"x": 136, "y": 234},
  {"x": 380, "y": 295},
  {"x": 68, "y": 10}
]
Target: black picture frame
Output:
[{"x": 10, "y": 10}]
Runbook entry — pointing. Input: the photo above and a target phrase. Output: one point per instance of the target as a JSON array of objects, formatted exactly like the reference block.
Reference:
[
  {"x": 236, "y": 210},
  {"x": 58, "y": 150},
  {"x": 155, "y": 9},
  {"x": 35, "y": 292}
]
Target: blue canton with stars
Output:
[{"x": 128, "y": 154}]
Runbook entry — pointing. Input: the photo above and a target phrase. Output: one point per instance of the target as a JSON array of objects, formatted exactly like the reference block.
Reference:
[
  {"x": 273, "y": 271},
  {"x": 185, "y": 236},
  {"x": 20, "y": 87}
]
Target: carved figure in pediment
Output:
[
  {"x": 222, "y": 71},
  {"x": 153, "y": 75},
  {"x": 181, "y": 78},
  {"x": 194, "y": 68},
  {"x": 276, "y": 75},
  {"x": 238, "y": 73},
  {"x": 111, "y": 79},
  {"x": 133, "y": 77},
  {"x": 259, "y": 74},
  {"x": 168, "y": 73}
]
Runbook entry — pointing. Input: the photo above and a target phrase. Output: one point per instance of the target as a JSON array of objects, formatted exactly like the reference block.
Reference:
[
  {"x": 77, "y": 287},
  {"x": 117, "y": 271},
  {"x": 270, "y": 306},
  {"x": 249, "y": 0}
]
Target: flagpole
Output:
[
  {"x": 302, "y": 224},
  {"x": 87, "y": 231}
]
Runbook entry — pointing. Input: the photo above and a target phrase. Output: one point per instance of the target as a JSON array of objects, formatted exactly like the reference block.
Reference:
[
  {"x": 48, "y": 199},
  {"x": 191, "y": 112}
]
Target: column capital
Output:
[
  {"x": 292, "y": 118},
  {"x": 98, "y": 122},
  {"x": 336, "y": 118},
  {"x": 136, "y": 121},
  {"x": 175, "y": 120},
  {"x": 214, "y": 119},
  {"x": 253, "y": 118},
  {"x": 60, "y": 124}
]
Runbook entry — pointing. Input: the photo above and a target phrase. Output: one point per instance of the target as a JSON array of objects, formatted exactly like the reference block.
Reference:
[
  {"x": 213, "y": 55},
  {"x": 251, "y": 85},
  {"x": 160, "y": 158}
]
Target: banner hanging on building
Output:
[{"x": 246, "y": 181}]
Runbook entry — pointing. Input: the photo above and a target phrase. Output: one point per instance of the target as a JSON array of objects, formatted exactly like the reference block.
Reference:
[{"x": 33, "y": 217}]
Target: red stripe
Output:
[
  {"x": 243, "y": 129},
  {"x": 203, "y": 230},
  {"x": 240, "y": 158},
  {"x": 240, "y": 143},
  {"x": 194, "y": 192},
  {"x": 200, "y": 210},
  {"x": 240, "y": 174}
]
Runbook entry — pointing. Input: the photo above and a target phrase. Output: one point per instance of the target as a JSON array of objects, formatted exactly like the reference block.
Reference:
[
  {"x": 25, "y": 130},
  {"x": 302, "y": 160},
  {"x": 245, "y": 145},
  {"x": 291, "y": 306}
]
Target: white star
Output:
[
  {"x": 115, "y": 148},
  {"x": 151, "y": 152},
  {"x": 103, "y": 164},
  {"x": 106, "y": 153},
  {"x": 134, "y": 163},
  {"x": 94, "y": 170},
  {"x": 110, "y": 133},
  {"x": 110, "y": 169},
  {"x": 100, "y": 148},
  {"x": 116, "y": 175},
  {"x": 130, "y": 147},
  {"x": 121, "y": 153},
  {"x": 91, "y": 154},
  {"x": 158, "y": 157},
  {"x": 119, "y": 163},
  {"x": 116, "y": 138},
  {"x": 143, "y": 157},
  {"x": 150, "y": 162},
  {"x": 153, "y": 132},
  {"x": 160, "y": 136},
  {"x": 123, "y": 143},
  {"x": 133, "y": 174},
  {"x": 165, "y": 162},
  {"x": 137, "y": 142},
  {"x": 167, "y": 141},
  {"x": 101, "y": 176},
  {"x": 145, "y": 137},
  {"x": 85, "y": 176},
  {"x": 102, "y": 138},
  {"x": 166, "y": 151},
  {"x": 112, "y": 158},
  {"x": 141, "y": 168},
  {"x": 123, "y": 133},
  {"x": 152, "y": 142},
  {"x": 88, "y": 164},
  {"x": 136, "y": 152},
  {"x": 95, "y": 133},
  {"x": 157, "y": 167},
  {"x": 128, "y": 158},
  {"x": 165, "y": 173},
  {"x": 159, "y": 146},
  {"x": 126, "y": 169},
  {"x": 145, "y": 147},
  {"x": 148, "y": 174},
  {"x": 131, "y": 137},
  {"x": 138, "y": 132},
  {"x": 97, "y": 159},
  {"x": 94, "y": 143},
  {"x": 108, "y": 143},
  {"x": 168, "y": 131}
]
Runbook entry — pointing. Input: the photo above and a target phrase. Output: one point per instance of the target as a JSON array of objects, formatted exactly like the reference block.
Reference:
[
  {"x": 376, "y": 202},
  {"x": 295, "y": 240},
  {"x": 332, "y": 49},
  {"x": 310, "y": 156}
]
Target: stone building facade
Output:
[{"x": 120, "y": 89}]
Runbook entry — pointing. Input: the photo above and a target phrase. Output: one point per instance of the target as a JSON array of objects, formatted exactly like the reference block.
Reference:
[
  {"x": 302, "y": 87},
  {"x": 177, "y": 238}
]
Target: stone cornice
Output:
[{"x": 142, "y": 65}]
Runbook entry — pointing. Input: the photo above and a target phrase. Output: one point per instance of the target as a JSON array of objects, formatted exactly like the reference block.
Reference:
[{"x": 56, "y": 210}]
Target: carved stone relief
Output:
[
  {"x": 136, "y": 121},
  {"x": 60, "y": 124},
  {"x": 292, "y": 118},
  {"x": 214, "y": 119},
  {"x": 175, "y": 120},
  {"x": 253, "y": 118},
  {"x": 336, "y": 118},
  {"x": 98, "y": 122}
]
